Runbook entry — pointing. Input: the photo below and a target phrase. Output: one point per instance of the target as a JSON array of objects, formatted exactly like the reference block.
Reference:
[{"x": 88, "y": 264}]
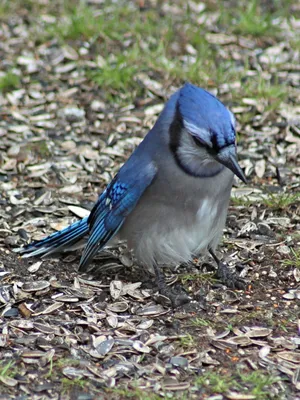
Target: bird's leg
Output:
[
  {"x": 177, "y": 299},
  {"x": 230, "y": 279}
]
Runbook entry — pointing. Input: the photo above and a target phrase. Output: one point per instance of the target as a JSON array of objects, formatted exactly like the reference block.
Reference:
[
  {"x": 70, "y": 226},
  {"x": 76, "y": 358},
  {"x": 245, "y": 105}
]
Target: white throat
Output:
[{"x": 196, "y": 160}]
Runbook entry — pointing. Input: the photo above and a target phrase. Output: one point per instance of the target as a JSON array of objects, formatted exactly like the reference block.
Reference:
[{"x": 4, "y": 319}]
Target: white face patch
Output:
[
  {"x": 199, "y": 132},
  {"x": 232, "y": 119}
]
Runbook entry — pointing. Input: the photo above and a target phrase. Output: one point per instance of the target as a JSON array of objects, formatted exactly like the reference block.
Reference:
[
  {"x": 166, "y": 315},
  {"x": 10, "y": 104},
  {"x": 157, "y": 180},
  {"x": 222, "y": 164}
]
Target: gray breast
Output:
[{"x": 178, "y": 216}]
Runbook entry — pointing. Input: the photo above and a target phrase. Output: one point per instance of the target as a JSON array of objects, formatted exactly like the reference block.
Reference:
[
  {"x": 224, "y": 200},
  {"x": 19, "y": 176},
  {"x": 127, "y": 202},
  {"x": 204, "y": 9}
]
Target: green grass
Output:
[
  {"x": 243, "y": 201},
  {"x": 274, "y": 201},
  {"x": 117, "y": 75},
  {"x": 39, "y": 148},
  {"x": 280, "y": 201},
  {"x": 187, "y": 341},
  {"x": 231, "y": 321},
  {"x": 254, "y": 18},
  {"x": 214, "y": 382},
  {"x": 135, "y": 394},
  {"x": 295, "y": 42},
  {"x": 8, "y": 369},
  {"x": 253, "y": 21},
  {"x": 78, "y": 23},
  {"x": 139, "y": 394},
  {"x": 197, "y": 278},
  {"x": 200, "y": 322},
  {"x": 294, "y": 260},
  {"x": 256, "y": 383},
  {"x": 262, "y": 89},
  {"x": 131, "y": 41},
  {"x": 57, "y": 365},
  {"x": 9, "y": 7},
  {"x": 9, "y": 81},
  {"x": 259, "y": 383},
  {"x": 268, "y": 93},
  {"x": 68, "y": 385}
]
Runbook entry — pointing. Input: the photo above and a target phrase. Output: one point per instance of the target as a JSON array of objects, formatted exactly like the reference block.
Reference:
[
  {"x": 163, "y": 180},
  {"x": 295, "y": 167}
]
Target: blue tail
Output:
[{"x": 57, "y": 242}]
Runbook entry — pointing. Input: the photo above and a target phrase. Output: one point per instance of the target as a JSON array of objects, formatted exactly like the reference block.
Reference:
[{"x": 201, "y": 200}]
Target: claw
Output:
[
  {"x": 230, "y": 279},
  {"x": 176, "y": 298}
]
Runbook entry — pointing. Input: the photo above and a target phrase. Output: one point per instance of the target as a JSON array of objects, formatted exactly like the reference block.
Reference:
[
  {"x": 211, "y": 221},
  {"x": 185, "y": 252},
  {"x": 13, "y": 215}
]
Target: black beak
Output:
[{"x": 227, "y": 157}]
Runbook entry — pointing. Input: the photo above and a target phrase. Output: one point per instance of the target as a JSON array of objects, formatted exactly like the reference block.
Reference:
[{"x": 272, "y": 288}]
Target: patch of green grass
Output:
[
  {"x": 253, "y": 18},
  {"x": 199, "y": 322},
  {"x": 71, "y": 384},
  {"x": 294, "y": 261},
  {"x": 120, "y": 72},
  {"x": 9, "y": 8},
  {"x": 197, "y": 278},
  {"x": 4, "y": 10},
  {"x": 135, "y": 394},
  {"x": 78, "y": 22},
  {"x": 282, "y": 326},
  {"x": 266, "y": 92},
  {"x": 295, "y": 42},
  {"x": 132, "y": 41},
  {"x": 187, "y": 341},
  {"x": 216, "y": 383},
  {"x": 39, "y": 147},
  {"x": 245, "y": 118},
  {"x": 280, "y": 201},
  {"x": 274, "y": 201},
  {"x": 263, "y": 89},
  {"x": 237, "y": 320},
  {"x": 243, "y": 201},
  {"x": 106, "y": 24},
  {"x": 63, "y": 362},
  {"x": 256, "y": 22},
  {"x": 9, "y": 81},
  {"x": 57, "y": 365},
  {"x": 117, "y": 75},
  {"x": 259, "y": 383},
  {"x": 8, "y": 369}
]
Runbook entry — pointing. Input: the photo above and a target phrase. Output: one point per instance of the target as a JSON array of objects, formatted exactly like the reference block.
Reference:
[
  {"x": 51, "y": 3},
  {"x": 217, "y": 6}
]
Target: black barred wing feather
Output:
[{"x": 112, "y": 208}]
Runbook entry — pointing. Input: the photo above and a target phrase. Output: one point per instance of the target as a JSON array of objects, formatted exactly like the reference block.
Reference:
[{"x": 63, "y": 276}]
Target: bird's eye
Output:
[{"x": 199, "y": 142}]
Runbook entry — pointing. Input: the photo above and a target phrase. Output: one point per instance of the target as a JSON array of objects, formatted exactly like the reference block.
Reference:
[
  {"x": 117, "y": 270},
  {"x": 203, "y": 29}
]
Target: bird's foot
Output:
[
  {"x": 228, "y": 278},
  {"x": 176, "y": 296}
]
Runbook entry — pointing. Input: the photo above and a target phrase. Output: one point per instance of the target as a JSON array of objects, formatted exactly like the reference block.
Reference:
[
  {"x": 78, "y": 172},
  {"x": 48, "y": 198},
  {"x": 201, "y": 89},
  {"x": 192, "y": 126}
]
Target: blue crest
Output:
[{"x": 205, "y": 117}]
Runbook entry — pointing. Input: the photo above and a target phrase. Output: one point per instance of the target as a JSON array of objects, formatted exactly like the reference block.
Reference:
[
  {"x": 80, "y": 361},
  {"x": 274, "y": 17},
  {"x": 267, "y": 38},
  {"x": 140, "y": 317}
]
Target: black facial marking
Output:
[
  {"x": 198, "y": 142},
  {"x": 216, "y": 147},
  {"x": 175, "y": 132}
]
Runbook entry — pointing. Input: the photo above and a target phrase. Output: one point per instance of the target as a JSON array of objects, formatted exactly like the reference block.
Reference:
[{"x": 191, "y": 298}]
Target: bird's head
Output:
[{"x": 203, "y": 132}]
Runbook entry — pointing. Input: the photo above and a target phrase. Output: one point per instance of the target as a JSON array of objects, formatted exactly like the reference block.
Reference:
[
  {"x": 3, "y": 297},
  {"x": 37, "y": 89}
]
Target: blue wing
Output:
[{"x": 113, "y": 206}]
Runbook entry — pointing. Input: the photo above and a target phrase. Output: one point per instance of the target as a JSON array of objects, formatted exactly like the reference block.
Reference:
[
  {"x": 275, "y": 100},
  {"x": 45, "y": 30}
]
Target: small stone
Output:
[
  {"x": 283, "y": 250},
  {"x": 73, "y": 114},
  {"x": 97, "y": 105},
  {"x": 179, "y": 362}
]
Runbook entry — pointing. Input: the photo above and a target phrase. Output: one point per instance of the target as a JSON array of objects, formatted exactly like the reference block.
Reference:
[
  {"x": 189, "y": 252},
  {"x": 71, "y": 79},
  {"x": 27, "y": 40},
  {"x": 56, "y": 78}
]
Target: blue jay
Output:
[{"x": 169, "y": 200}]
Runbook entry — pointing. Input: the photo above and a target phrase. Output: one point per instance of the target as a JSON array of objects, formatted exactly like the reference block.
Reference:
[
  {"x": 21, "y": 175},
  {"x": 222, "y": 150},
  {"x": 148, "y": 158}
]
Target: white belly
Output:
[
  {"x": 173, "y": 223},
  {"x": 175, "y": 239}
]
